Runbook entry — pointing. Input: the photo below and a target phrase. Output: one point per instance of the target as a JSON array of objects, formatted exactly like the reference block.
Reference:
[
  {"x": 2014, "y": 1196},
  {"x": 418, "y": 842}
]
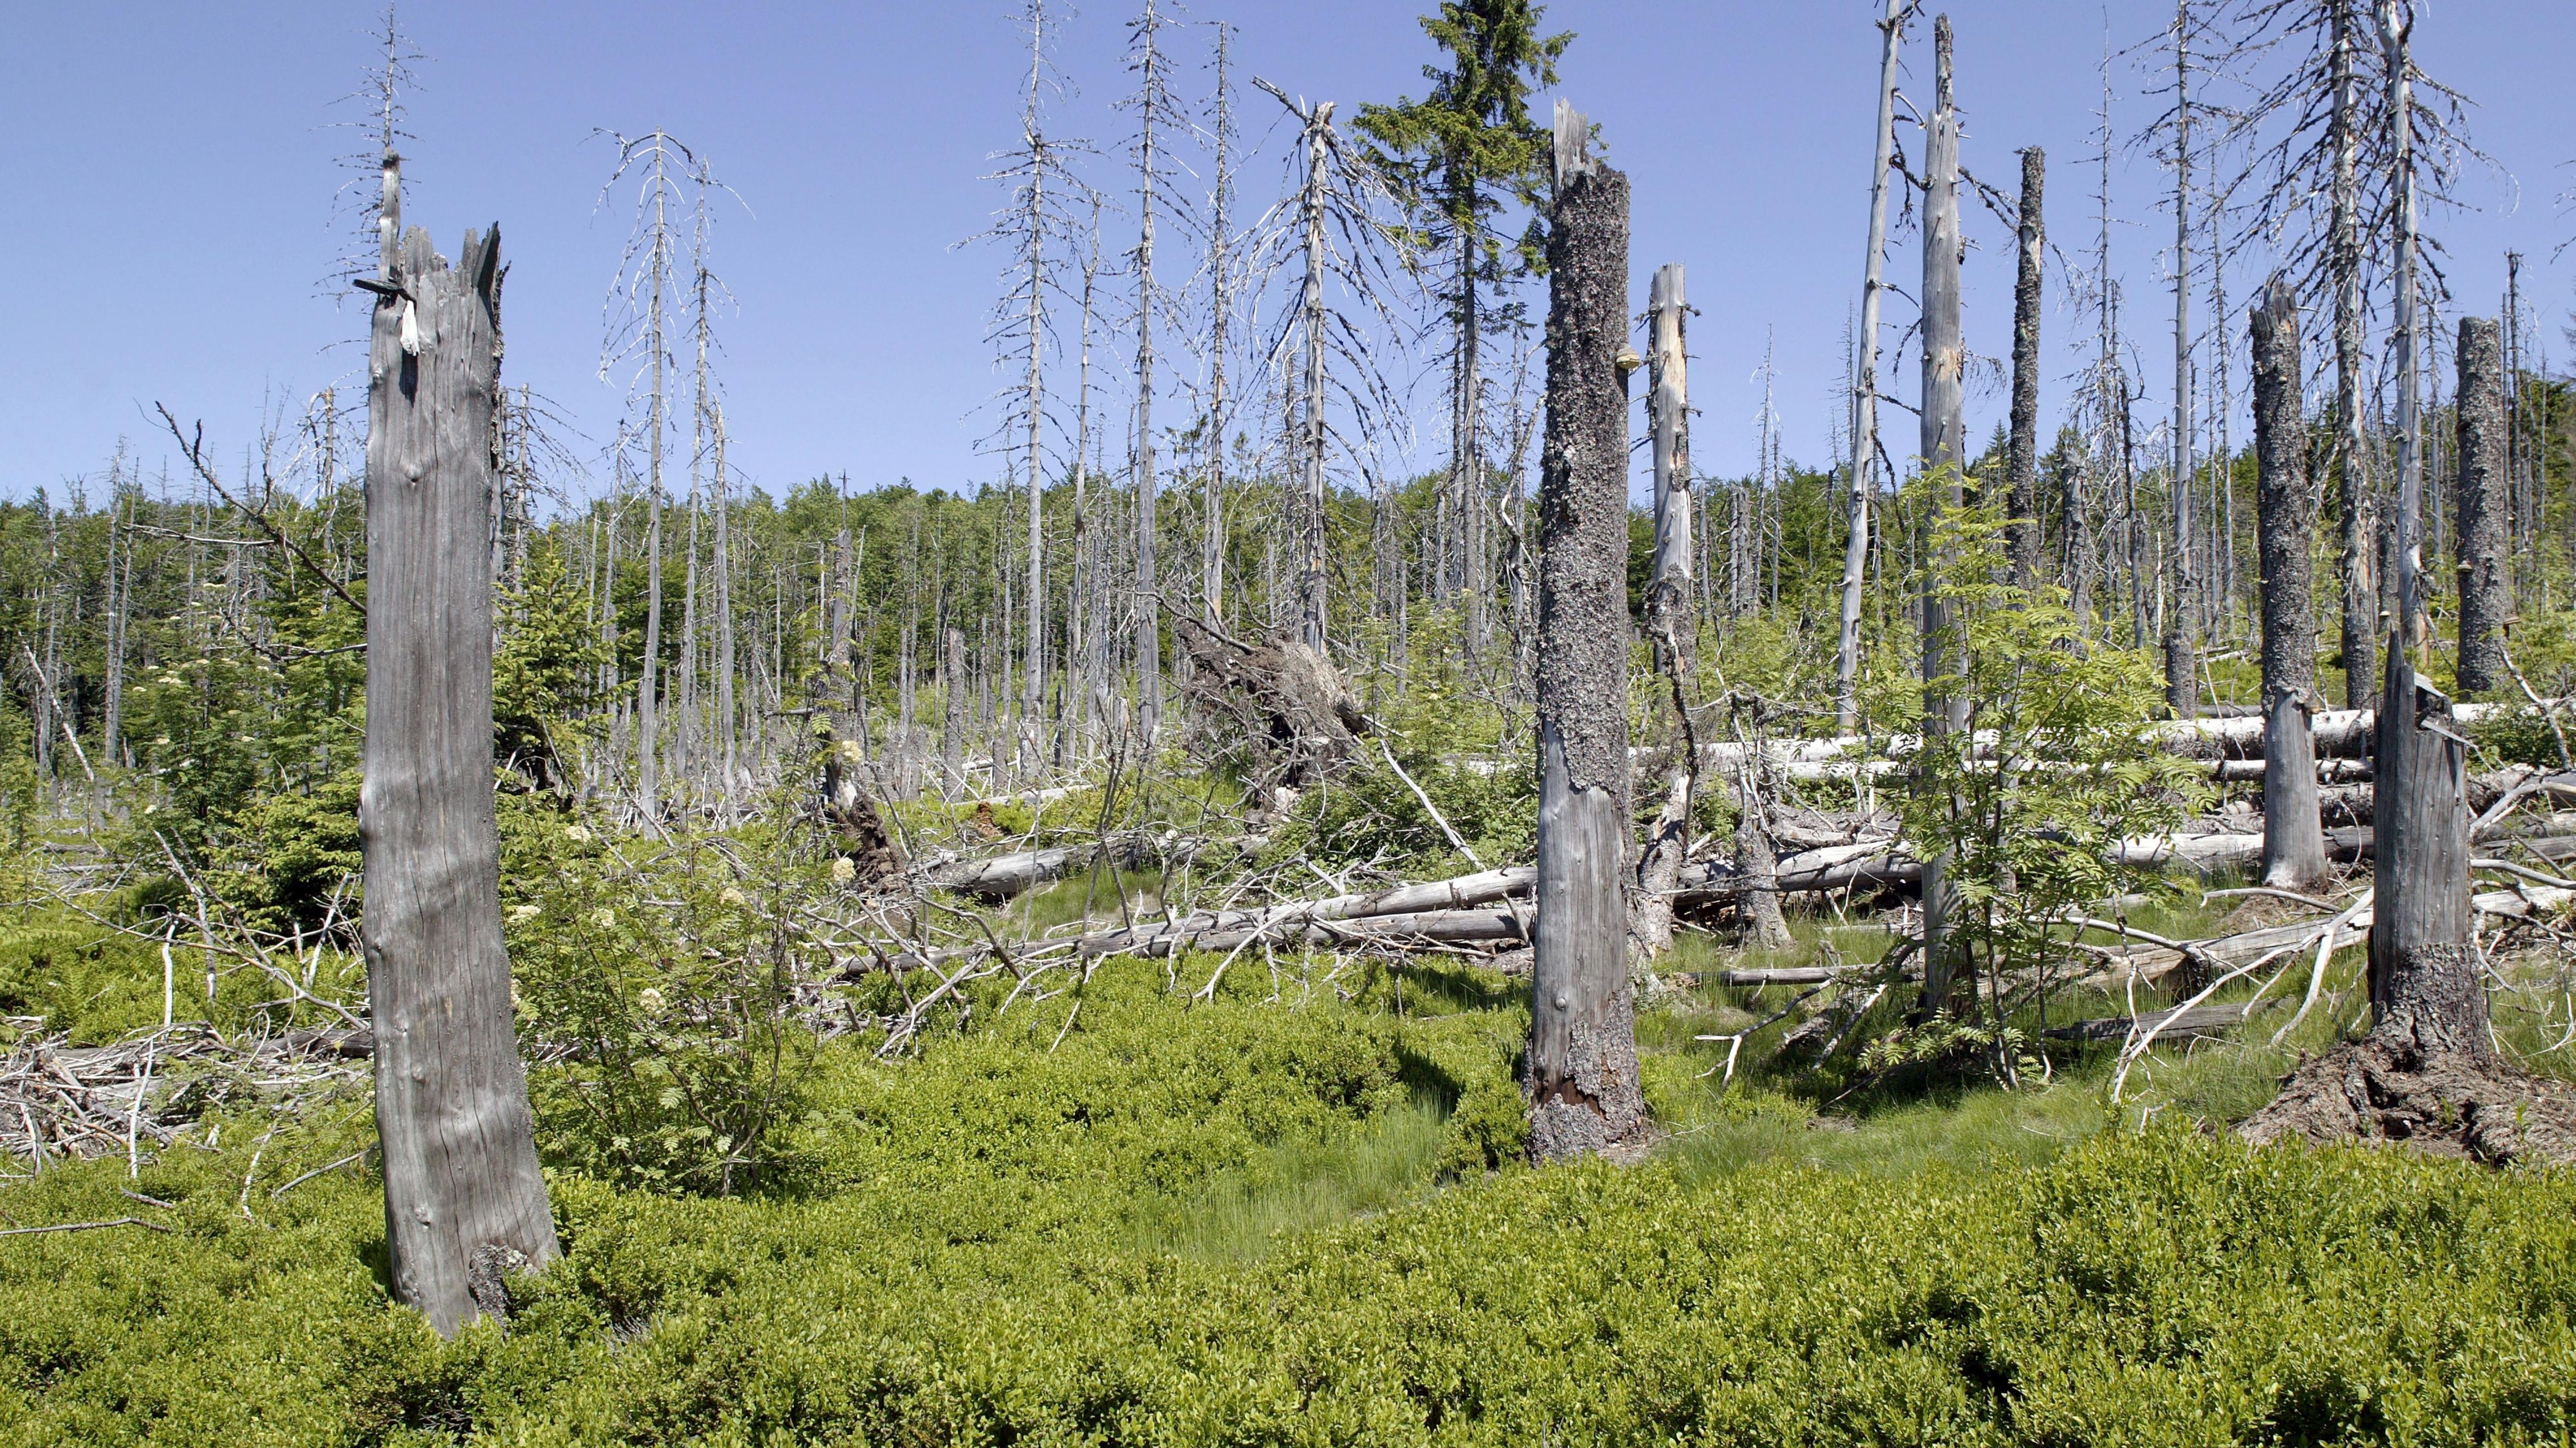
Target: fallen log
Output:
[
  {"x": 2197, "y": 1023},
  {"x": 1000, "y": 877}
]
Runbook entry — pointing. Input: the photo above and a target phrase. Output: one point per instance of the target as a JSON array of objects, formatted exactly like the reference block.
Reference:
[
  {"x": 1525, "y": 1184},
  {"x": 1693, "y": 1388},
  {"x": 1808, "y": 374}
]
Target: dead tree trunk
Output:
[
  {"x": 464, "y": 1203},
  {"x": 2182, "y": 618},
  {"x": 1944, "y": 455},
  {"x": 1581, "y": 1069},
  {"x": 1865, "y": 380},
  {"x": 1668, "y": 613},
  {"x": 2486, "y": 577},
  {"x": 2360, "y": 608},
  {"x": 2021, "y": 534},
  {"x": 2428, "y": 1071},
  {"x": 2294, "y": 847},
  {"x": 2425, "y": 985}
]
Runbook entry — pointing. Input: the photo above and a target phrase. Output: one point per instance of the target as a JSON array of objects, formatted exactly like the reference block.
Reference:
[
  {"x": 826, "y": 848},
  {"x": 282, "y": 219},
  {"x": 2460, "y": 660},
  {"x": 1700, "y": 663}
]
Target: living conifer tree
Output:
[{"x": 1455, "y": 156}]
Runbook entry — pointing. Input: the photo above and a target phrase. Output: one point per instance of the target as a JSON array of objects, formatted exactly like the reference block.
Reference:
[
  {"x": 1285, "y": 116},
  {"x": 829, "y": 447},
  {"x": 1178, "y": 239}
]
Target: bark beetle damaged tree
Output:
[
  {"x": 1944, "y": 455},
  {"x": 2294, "y": 846},
  {"x": 2022, "y": 456},
  {"x": 1581, "y": 1071},
  {"x": 2486, "y": 580},
  {"x": 2429, "y": 1071},
  {"x": 464, "y": 1203}
]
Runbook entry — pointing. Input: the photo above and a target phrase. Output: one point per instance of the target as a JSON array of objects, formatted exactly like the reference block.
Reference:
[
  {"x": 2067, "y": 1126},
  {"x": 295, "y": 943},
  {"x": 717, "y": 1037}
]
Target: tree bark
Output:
[
  {"x": 1944, "y": 455},
  {"x": 2022, "y": 449},
  {"x": 2360, "y": 606},
  {"x": 2486, "y": 577},
  {"x": 1668, "y": 609},
  {"x": 2182, "y": 619},
  {"x": 2294, "y": 848},
  {"x": 1865, "y": 381},
  {"x": 1581, "y": 1070},
  {"x": 464, "y": 1201},
  {"x": 2426, "y": 991},
  {"x": 1310, "y": 571}
]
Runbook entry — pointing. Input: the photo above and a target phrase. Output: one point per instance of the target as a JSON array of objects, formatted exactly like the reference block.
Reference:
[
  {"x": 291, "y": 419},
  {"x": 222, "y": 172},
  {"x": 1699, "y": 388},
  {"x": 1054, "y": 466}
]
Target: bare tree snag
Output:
[
  {"x": 2428, "y": 1071},
  {"x": 2486, "y": 579},
  {"x": 2294, "y": 847},
  {"x": 1944, "y": 456},
  {"x": 1865, "y": 380},
  {"x": 1668, "y": 614},
  {"x": 2021, "y": 533},
  {"x": 464, "y": 1201},
  {"x": 1581, "y": 1070},
  {"x": 2182, "y": 615},
  {"x": 2360, "y": 607}
]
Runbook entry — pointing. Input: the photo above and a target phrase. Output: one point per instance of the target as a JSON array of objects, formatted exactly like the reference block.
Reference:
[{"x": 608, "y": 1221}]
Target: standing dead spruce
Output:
[
  {"x": 462, "y": 1189},
  {"x": 1581, "y": 1069}
]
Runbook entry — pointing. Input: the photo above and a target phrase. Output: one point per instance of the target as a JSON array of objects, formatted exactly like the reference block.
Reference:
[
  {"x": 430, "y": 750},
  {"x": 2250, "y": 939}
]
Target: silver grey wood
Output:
[
  {"x": 2294, "y": 847},
  {"x": 463, "y": 1197},
  {"x": 1944, "y": 454}
]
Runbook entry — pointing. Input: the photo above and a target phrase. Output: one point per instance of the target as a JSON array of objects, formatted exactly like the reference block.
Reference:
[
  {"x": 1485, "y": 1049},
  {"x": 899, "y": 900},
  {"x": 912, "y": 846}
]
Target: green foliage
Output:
[
  {"x": 1370, "y": 815},
  {"x": 1447, "y": 152},
  {"x": 1956, "y": 1044},
  {"x": 663, "y": 990},
  {"x": 1048, "y": 1285},
  {"x": 307, "y": 867},
  {"x": 20, "y": 797},
  {"x": 2056, "y": 764},
  {"x": 545, "y": 675}
]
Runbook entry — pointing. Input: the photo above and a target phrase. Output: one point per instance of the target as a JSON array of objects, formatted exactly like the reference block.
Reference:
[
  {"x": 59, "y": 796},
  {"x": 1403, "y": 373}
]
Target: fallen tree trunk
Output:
[{"x": 1003, "y": 876}]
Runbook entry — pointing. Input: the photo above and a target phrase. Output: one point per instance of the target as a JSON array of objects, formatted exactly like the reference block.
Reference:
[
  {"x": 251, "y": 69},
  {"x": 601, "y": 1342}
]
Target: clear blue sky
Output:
[{"x": 170, "y": 171}]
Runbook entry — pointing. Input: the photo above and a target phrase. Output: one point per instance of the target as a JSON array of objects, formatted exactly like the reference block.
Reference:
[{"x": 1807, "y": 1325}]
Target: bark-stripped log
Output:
[
  {"x": 2294, "y": 849},
  {"x": 464, "y": 1203},
  {"x": 2486, "y": 579},
  {"x": 1581, "y": 1071}
]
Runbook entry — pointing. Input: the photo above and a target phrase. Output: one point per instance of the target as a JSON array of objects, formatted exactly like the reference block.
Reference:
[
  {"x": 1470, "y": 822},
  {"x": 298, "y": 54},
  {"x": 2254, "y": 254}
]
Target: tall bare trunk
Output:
[
  {"x": 1668, "y": 611},
  {"x": 2182, "y": 617},
  {"x": 1311, "y": 582},
  {"x": 1581, "y": 1068},
  {"x": 2022, "y": 448},
  {"x": 2360, "y": 605},
  {"x": 1944, "y": 453},
  {"x": 465, "y": 1205},
  {"x": 2294, "y": 851},
  {"x": 1865, "y": 381},
  {"x": 2486, "y": 576}
]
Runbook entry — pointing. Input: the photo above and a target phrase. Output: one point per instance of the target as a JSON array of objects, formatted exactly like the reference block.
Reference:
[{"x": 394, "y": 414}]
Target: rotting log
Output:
[
  {"x": 465, "y": 1205},
  {"x": 1580, "y": 1074}
]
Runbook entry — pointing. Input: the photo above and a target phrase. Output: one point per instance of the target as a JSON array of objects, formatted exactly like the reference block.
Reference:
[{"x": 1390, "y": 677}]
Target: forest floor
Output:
[{"x": 1295, "y": 1213}]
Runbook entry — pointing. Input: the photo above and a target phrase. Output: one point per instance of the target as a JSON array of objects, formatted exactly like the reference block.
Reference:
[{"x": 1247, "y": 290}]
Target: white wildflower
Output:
[
  {"x": 524, "y": 913},
  {"x": 604, "y": 918},
  {"x": 844, "y": 870},
  {"x": 650, "y": 999},
  {"x": 577, "y": 834},
  {"x": 732, "y": 896}
]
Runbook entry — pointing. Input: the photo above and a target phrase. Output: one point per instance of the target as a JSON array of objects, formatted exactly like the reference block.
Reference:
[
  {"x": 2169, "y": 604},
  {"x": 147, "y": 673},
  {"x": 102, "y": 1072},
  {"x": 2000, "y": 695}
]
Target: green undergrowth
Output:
[{"x": 1296, "y": 1214}]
